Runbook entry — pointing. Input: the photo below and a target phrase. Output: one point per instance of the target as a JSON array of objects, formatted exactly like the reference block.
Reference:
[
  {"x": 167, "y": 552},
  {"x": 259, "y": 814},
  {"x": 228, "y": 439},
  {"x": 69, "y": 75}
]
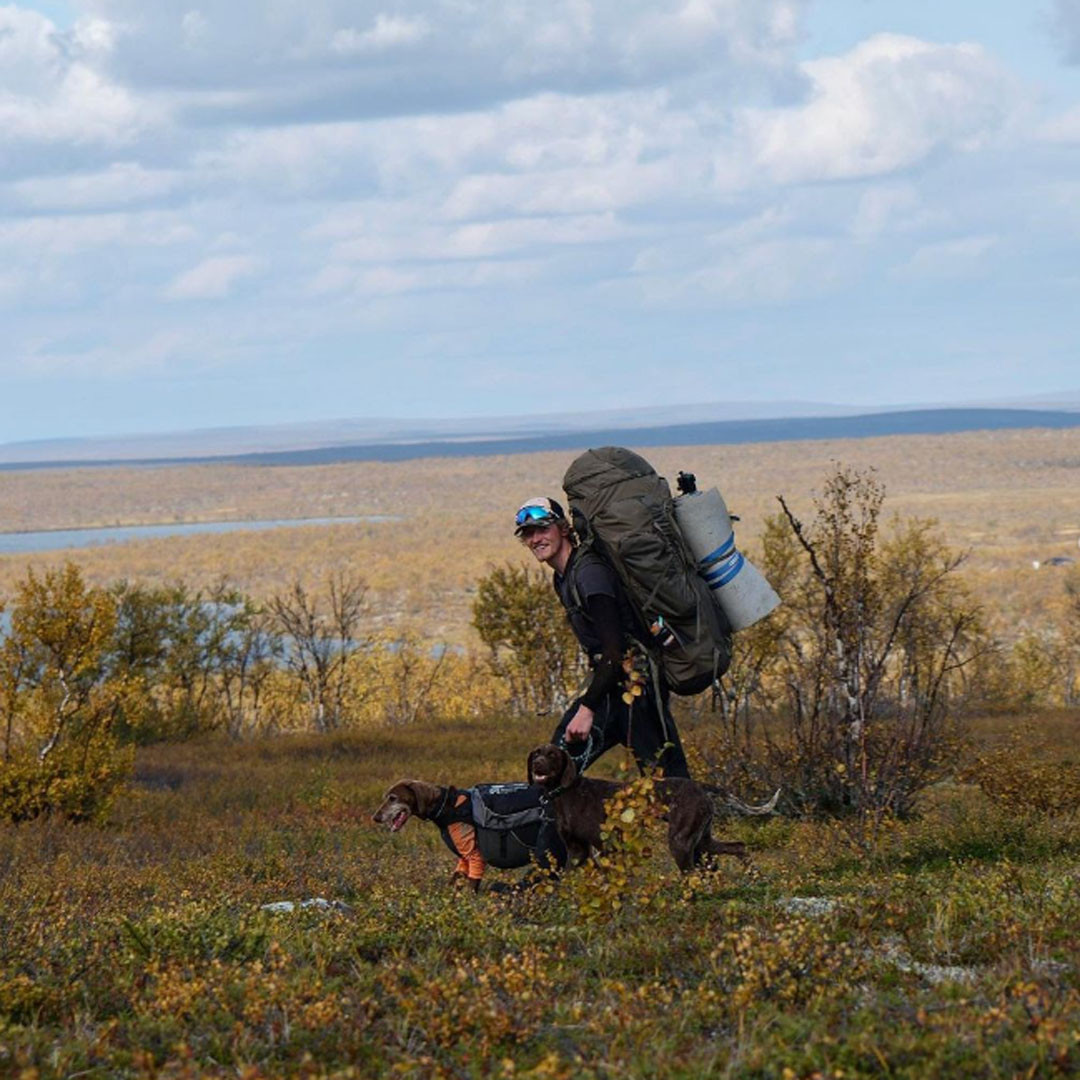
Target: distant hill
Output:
[
  {"x": 369, "y": 432},
  {"x": 216, "y": 442},
  {"x": 716, "y": 432}
]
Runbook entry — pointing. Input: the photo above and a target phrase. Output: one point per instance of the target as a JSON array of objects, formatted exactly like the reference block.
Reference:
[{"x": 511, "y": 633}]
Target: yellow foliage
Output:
[
  {"x": 1025, "y": 774},
  {"x": 78, "y": 782},
  {"x": 615, "y": 882}
]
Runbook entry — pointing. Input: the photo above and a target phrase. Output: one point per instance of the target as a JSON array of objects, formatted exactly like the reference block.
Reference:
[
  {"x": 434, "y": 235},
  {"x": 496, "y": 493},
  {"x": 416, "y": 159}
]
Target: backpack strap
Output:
[{"x": 582, "y": 554}]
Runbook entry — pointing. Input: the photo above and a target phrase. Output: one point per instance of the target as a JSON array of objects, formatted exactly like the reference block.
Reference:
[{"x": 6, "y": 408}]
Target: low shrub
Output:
[
  {"x": 1026, "y": 775},
  {"x": 78, "y": 783}
]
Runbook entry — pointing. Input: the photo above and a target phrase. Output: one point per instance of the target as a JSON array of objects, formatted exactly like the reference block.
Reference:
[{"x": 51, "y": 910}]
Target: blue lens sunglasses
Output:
[{"x": 534, "y": 515}]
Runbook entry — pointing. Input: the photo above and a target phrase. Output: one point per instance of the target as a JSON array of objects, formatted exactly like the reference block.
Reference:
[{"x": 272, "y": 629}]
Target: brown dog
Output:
[
  {"x": 431, "y": 802},
  {"x": 406, "y": 799},
  {"x": 579, "y": 810}
]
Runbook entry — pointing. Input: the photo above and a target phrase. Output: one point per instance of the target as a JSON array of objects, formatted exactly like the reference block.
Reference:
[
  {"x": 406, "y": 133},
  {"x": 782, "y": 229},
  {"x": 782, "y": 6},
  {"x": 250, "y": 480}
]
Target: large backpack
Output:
[{"x": 624, "y": 512}]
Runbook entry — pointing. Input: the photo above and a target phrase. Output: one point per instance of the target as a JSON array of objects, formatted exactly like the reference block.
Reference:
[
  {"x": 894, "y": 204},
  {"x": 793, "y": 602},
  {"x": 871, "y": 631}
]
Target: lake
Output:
[{"x": 21, "y": 543}]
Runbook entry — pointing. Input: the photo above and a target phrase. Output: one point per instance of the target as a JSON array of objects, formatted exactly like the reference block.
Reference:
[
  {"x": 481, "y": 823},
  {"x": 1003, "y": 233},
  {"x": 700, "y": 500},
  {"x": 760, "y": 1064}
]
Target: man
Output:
[{"x": 605, "y": 626}]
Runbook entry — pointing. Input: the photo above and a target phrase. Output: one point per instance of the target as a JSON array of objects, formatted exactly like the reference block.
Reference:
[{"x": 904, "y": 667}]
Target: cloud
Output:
[
  {"x": 53, "y": 88},
  {"x": 63, "y": 237},
  {"x": 63, "y": 262},
  {"x": 886, "y": 105},
  {"x": 890, "y": 208},
  {"x": 1062, "y": 128},
  {"x": 369, "y": 281},
  {"x": 379, "y": 236},
  {"x": 1065, "y": 23},
  {"x": 122, "y": 183},
  {"x": 212, "y": 279},
  {"x": 752, "y": 269},
  {"x": 156, "y": 353},
  {"x": 323, "y": 60},
  {"x": 961, "y": 257},
  {"x": 387, "y": 32},
  {"x": 496, "y": 175}
]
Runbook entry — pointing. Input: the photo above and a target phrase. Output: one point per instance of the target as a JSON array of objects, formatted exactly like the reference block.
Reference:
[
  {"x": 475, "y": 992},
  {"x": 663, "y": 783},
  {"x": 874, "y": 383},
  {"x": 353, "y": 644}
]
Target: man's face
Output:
[{"x": 544, "y": 541}]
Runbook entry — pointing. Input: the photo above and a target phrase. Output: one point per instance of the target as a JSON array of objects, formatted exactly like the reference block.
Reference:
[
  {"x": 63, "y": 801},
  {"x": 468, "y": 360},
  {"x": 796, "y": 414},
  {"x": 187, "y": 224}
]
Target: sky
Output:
[{"x": 232, "y": 212}]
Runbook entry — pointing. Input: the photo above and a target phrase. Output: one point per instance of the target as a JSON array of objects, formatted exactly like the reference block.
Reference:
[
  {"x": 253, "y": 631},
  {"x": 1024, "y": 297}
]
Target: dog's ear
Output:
[
  {"x": 405, "y": 792},
  {"x": 529, "y": 764}
]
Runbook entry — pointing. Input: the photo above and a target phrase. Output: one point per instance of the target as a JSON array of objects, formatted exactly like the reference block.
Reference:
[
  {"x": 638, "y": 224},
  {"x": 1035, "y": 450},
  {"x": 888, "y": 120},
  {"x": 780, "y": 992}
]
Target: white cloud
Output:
[
  {"x": 1062, "y": 128},
  {"x": 52, "y": 89},
  {"x": 385, "y": 232},
  {"x": 314, "y": 60},
  {"x": 387, "y": 32},
  {"x": 763, "y": 272},
  {"x": 122, "y": 183},
  {"x": 792, "y": 250},
  {"x": 891, "y": 208},
  {"x": 961, "y": 257},
  {"x": 156, "y": 353},
  {"x": 69, "y": 235},
  {"x": 212, "y": 279},
  {"x": 399, "y": 280},
  {"x": 886, "y": 105},
  {"x": 532, "y": 170},
  {"x": 194, "y": 27}
]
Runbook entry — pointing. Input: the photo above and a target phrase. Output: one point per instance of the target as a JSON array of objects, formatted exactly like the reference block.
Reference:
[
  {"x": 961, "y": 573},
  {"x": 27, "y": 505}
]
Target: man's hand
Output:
[{"x": 580, "y": 724}]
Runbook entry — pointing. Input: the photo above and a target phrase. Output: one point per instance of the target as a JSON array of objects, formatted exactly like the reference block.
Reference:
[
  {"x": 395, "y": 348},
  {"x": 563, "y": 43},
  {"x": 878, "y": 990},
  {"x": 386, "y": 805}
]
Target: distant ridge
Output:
[
  {"x": 372, "y": 431},
  {"x": 869, "y": 425},
  {"x": 199, "y": 443}
]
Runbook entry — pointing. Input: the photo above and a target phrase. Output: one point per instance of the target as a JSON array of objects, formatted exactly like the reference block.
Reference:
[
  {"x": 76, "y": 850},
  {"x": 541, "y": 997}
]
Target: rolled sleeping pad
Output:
[{"x": 737, "y": 586}]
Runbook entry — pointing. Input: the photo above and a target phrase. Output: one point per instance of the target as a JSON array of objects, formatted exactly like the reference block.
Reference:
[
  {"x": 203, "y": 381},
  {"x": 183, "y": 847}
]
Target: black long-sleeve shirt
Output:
[
  {"x": 603, "y": 612},
  {"x": 600, "y": 618}
]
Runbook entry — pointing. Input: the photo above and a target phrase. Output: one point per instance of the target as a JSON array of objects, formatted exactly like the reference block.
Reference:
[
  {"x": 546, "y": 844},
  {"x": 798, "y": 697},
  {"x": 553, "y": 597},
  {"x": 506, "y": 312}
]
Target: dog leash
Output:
[
  {"x": 580, "y": 760},
  {"x": 550, "y": 796}
]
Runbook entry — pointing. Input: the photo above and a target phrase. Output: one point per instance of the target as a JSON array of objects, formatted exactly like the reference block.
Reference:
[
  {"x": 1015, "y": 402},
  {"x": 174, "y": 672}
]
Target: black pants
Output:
[{"x": 647, "y": 727}]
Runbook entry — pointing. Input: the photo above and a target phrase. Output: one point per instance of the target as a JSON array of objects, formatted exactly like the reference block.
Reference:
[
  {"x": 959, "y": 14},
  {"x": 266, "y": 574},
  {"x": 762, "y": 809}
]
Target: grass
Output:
[{"x": 139, "y": 948}]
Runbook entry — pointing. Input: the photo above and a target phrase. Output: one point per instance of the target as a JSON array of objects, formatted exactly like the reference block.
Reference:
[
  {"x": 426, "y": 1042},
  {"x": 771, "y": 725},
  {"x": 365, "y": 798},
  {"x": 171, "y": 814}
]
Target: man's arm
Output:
[{"x": 603, "y": 612}]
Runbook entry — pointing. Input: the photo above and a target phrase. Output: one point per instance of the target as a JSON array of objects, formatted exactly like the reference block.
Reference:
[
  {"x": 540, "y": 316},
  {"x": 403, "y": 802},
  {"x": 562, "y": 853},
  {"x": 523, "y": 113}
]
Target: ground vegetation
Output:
[
  {"x": 196, "y": 728},
  {"x": 142, "y": 949}
]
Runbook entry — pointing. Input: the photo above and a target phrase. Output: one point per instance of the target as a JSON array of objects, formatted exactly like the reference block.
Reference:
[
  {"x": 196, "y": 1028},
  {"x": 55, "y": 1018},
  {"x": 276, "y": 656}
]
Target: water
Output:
[{"x": 21, "y": 543}]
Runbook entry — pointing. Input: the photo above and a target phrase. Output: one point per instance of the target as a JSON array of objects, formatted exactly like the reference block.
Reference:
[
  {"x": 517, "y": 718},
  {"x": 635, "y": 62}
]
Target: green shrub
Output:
[
  {"x": 530, "y": 644},
  {"x": 77, "y": 782}
]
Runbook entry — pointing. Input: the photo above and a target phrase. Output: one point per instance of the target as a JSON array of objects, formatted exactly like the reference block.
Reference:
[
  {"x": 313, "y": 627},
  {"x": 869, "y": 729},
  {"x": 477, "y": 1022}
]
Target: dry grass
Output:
[{"x": 1010, "y": 497}]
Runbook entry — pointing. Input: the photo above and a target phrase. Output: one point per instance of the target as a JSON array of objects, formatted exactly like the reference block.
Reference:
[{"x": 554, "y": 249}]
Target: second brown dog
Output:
[{"x": 579, "y": 810}]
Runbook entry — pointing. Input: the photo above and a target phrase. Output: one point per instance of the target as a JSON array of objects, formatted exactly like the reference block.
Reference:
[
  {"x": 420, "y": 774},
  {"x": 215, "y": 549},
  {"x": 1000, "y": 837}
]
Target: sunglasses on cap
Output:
[{"x": 534, "y": 515}]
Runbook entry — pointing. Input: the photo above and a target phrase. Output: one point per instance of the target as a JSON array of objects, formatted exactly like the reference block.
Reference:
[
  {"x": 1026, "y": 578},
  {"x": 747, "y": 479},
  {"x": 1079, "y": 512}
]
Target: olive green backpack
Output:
[{"x": 623, "y": 511}]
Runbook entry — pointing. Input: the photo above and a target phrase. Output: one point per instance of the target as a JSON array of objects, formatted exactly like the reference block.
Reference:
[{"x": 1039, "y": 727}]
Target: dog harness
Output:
[
  {"x": 496, "y": 824},
  {"x": 454, "y": 819}
]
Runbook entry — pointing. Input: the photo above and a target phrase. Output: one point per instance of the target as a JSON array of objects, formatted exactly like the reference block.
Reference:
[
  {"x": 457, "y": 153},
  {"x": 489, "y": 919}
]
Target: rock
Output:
[
  {"x": 320, "y": 903},
  {"x": 814, "y": 906}
]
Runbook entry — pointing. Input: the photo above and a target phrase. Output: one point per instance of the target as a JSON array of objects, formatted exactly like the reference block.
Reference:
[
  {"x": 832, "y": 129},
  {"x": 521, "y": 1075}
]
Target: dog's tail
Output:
[{"x": 739, "y": 807}]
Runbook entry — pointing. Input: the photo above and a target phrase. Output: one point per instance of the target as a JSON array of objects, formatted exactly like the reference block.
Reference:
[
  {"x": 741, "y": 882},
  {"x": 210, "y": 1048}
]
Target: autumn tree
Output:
[
  {"x": 321, "y": 636},
  {"x": 59, "y": 750},
  {"x": 407, "y": 674},
  {"x": 866, "y": 654},
  {"x": 250, "y": 654},
  {"x": 188, "y": 660},
  {"x": 530, "y": 644}
]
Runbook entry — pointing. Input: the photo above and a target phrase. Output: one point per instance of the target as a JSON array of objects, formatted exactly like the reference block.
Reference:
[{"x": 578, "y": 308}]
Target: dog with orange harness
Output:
[{"x": 486, "y": 825}]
